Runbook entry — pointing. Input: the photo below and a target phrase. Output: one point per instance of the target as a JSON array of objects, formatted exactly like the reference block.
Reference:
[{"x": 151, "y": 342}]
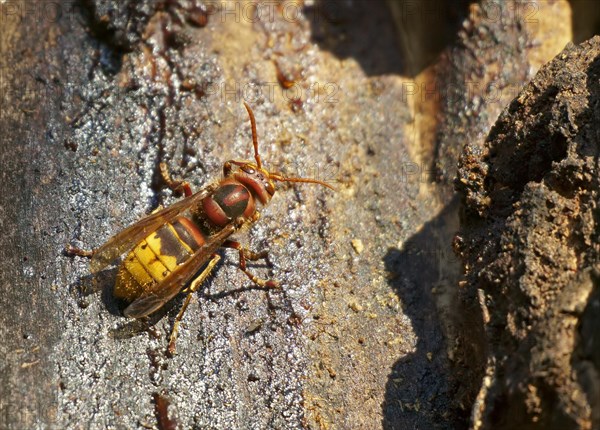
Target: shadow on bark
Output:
[
  {"x": 386, "y": 37},
  {"x": 435, "y": 385}
]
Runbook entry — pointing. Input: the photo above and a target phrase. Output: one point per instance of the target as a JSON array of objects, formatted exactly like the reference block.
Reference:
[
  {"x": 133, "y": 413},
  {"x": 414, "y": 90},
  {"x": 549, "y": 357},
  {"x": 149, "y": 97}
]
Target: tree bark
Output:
[{"x": 369, "y": 330}]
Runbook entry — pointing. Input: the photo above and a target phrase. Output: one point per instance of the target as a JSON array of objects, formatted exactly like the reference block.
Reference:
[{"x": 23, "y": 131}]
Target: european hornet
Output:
[{"x": 169, "y": 247}]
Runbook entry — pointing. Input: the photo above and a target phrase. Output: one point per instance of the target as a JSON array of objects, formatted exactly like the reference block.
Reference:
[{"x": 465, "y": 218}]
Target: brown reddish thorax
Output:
[{"x": 230, "y": 201}]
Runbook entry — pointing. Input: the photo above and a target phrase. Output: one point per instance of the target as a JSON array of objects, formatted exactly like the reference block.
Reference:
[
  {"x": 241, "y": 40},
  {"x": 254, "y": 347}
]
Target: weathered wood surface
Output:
[
  {"x": 529, "y": 239},
  {"x": 370, "y": 331}
]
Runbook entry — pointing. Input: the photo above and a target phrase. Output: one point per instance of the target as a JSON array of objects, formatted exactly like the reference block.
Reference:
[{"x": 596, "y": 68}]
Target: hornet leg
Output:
[
  {"x": 71, "y": 251},
  {"x": 178, "y": 187},
  {"x": 193, "y": 287},
  {"x": 246, "y": 254}
]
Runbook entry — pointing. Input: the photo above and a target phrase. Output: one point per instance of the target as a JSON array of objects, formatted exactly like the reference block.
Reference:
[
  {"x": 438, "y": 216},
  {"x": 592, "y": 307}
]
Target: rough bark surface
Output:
[
  {"x": 368, "y": 331},
  {"x": 529, "y": 239}
]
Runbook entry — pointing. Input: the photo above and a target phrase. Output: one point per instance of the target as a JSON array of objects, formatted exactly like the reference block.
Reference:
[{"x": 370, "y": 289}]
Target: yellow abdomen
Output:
[{"x": 155, "y": 257}]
